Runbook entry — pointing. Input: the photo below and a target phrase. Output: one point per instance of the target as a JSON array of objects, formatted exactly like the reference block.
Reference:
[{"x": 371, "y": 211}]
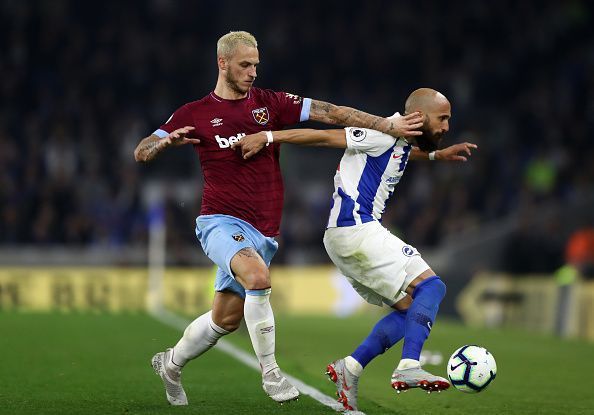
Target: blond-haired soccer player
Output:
[
  {"x": 242, "y": 202},
  {"x": 382, "y": 268}
]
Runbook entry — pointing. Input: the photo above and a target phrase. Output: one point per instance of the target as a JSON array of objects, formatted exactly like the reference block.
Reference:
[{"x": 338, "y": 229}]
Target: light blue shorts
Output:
[{"x": 221, "y": 237}]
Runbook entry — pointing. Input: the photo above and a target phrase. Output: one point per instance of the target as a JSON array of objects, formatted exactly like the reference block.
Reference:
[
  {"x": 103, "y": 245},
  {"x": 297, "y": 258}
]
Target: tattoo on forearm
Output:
[
  {"x": 148, "y": 150},
  {"x": 332, "y": 114}
]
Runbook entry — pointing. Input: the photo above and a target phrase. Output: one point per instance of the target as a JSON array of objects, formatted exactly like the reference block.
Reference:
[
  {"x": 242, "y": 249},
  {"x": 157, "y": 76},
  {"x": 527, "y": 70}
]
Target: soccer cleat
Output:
[
  {"x": 171, "y": 379},
  {"x": 278, "y": 387},
  {"x": 347, "y": 384},
  {"x": 416, "y": 377}
]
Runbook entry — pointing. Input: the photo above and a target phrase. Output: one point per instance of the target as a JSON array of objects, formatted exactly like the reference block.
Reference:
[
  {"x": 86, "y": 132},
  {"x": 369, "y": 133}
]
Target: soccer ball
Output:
[{"x": 471, "y": 368}]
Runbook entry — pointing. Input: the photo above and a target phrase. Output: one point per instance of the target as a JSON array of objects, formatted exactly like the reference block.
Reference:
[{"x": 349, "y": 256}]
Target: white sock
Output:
[
  {"x": 353, "y": 366},
  {"x": 408, "y": 364},
  {"x": 259, "y": 320},
  {"x": 198, "y": 337}
]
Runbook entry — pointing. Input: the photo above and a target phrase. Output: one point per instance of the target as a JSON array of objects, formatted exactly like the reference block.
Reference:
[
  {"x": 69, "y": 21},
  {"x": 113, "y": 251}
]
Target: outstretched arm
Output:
[
  {"x": 451, "y": 153},
  {"x": 396, "y": 126},
  {"x": 251, "y": 144},
  {"x": 152, "y": 145}
]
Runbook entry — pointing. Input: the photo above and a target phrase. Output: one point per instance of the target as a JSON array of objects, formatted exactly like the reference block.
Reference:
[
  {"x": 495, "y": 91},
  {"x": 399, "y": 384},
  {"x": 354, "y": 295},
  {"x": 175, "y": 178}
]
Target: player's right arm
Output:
[
  {"x": 253, "y": 143},
  {"x": 152, "y": 145}
]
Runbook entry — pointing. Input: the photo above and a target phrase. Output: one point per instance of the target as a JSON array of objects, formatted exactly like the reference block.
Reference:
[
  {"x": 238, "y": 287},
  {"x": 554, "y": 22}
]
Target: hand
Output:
[
  {"x": 178, "y": 137},
  {"x": 251, "y": 144},
  {"x": 406, "y": 125},
  {"x": 451, "y": 153}
]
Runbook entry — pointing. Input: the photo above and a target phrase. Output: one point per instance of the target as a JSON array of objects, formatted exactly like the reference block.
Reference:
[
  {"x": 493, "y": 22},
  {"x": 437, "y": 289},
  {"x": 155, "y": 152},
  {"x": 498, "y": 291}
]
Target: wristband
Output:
[
  {"x": 432, "y": 155},
  {"x": 269, "y": 137}
]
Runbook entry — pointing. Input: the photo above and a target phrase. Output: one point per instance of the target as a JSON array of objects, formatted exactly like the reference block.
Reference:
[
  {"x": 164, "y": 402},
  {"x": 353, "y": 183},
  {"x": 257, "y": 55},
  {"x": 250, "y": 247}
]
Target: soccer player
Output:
[
  {"x": 242, "y": 203},
  {"x": 382, "y": 268}
]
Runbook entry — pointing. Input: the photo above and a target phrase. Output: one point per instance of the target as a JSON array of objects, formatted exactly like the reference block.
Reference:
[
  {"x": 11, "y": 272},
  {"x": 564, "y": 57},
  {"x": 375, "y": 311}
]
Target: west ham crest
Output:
[
  {"x": 261, "y": 115},
  {"x": 238, "y": 237}
]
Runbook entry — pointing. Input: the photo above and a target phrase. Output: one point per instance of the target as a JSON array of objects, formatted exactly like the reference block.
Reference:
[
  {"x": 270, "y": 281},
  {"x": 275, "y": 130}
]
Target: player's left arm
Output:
[
  {"x": 253, "y": 143},
  {"x": 455, "y": 152},
  {"x": 396, "y": 126}
]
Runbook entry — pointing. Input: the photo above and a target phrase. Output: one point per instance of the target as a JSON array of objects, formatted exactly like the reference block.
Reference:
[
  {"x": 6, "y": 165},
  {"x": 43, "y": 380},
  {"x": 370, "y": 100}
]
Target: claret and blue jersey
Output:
[
  {"x": 370, "y": 168},
  {"x": 251, "y": 190}
]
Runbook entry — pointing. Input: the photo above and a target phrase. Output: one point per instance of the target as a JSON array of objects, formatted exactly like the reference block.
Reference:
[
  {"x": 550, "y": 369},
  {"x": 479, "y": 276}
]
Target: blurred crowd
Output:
[{"x": 83, "y": 83}]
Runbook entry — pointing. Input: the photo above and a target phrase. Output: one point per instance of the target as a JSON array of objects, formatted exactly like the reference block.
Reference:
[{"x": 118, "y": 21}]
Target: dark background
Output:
[{"x": 84, "y": 82}]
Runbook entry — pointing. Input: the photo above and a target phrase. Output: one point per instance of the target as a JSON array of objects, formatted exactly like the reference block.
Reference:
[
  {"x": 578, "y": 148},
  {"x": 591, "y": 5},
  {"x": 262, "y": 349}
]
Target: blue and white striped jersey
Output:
[{"x": 370, "y": 168}]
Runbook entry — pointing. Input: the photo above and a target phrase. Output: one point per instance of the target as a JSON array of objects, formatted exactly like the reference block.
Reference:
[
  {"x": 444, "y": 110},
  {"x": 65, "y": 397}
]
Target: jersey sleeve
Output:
[
  {"x": 290, "y": 108},
  {"x": 368, "y": 141},
  {"x": 180, "y": 118}
]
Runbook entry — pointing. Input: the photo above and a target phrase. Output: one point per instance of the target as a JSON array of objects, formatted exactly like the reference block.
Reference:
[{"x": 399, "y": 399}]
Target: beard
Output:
[
  {"x": 428, "y": 142},
  {"x": 234, "y": 84}
]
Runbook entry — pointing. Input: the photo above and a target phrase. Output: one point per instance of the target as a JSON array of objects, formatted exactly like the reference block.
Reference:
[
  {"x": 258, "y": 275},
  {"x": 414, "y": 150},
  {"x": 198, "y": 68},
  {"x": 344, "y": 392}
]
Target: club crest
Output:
[
  {"x": 261, "y": 115},
  {"x": 238, "y": 237}
]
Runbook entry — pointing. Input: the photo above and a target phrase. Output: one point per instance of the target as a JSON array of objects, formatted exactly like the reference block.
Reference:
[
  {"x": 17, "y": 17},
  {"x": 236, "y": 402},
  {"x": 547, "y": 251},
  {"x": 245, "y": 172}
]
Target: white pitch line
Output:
[{"x": 249, "y": 360}]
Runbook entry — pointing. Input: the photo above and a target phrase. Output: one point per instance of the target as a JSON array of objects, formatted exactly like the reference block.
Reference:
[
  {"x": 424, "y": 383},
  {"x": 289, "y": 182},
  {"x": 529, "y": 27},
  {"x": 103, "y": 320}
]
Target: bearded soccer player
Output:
[
  {"x": 242, "y": 203},
  {"x": 382, "y": 268}
]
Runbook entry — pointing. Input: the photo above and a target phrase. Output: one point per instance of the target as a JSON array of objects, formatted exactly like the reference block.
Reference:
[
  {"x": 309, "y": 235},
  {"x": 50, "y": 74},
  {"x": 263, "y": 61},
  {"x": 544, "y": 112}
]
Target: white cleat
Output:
[
  {"x": 416, "y": 377},
  {"x": 171, "y": 379},
  {"x": 278, "y": 387},
  {"x": 347, "y": 384}
]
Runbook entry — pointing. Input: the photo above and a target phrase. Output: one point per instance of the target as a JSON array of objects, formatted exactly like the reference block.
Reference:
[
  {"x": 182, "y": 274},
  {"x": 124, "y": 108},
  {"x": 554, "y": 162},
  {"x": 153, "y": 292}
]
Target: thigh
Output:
[
  {"x": 378, "y": 260},
  {"x": 221, "y": 238},
  {"x": 250, "y": 270}
]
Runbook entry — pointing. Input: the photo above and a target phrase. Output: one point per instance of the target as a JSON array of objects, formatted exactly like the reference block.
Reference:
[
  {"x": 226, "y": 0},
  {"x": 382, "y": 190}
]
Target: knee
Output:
[
  {"x": 433, "y": 286},
  {"x": 257, "y": 279},
  {"x": 438, "y": 287}
]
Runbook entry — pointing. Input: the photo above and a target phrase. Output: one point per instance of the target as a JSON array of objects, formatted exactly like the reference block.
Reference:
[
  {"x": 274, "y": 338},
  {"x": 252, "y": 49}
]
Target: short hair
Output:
[{"x": 227, "y": 43}]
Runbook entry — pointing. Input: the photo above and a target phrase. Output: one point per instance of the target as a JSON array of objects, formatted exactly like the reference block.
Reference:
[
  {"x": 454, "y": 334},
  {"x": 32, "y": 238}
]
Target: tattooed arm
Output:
[
  {"x": 152, "y": 145},
  {"x": 396, "y": 126}
]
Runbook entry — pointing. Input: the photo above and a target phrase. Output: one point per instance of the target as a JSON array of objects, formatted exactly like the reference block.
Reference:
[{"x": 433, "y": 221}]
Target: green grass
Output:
[{"x": 98, "y": 364}]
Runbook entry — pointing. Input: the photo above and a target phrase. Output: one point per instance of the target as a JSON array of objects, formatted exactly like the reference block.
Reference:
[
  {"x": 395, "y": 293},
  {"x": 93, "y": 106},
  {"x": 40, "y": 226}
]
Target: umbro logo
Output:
[{"x": 216, "y": 122}]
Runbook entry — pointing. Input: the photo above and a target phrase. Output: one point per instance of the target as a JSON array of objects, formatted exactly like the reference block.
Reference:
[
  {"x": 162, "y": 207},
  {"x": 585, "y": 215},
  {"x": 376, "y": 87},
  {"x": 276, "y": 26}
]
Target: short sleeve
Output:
[
  {"x": 290, "y": 108},
  {"x": 368, "y": 141},
  {"x": 180, "y": 118}
]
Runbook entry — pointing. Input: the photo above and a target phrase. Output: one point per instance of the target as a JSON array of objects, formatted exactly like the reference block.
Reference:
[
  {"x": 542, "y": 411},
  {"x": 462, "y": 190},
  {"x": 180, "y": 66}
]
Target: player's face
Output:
[
  {"x": 240, "y": 69},
  {"x": 436, "y": 124}
]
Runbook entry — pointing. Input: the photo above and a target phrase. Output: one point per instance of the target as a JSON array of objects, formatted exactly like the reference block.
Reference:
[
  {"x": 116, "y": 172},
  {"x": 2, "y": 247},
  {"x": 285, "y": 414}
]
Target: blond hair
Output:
[{"x": 227, "y": 43}]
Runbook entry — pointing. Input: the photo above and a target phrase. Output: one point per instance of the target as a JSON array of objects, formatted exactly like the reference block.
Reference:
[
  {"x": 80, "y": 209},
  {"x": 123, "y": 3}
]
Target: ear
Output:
[{"x": 222, "y": 63}]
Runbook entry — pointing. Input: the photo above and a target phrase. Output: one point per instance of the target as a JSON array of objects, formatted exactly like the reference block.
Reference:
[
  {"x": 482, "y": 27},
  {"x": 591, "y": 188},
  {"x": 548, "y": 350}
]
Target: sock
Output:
[
  {"x": 353, "y": 366},
  {"x": 407, "y": 364},
  {"x": 198, "y": 337},
  {"x": 259, "y": 320},
  {"x": 387, "y": 332},
  {"x": 420, "y": 316}
]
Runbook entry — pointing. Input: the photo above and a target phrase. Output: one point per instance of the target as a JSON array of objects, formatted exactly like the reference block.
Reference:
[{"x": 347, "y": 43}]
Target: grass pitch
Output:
[{"x": 99, "y": 364}]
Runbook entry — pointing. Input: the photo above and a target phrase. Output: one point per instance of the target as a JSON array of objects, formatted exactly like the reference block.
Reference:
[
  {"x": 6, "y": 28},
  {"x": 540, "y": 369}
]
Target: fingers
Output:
[
  {"x": 413, "y": 116},
  {"x": 249, "y": 154},
  {"x": 191, "y": 141},
  {"x": 468, "y": 146},
  {"x": 180, "y": 132}
]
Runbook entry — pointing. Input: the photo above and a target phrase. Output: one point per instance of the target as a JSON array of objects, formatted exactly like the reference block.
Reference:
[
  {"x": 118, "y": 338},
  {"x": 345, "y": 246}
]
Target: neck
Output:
[{"x": 224, "y": 91}]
